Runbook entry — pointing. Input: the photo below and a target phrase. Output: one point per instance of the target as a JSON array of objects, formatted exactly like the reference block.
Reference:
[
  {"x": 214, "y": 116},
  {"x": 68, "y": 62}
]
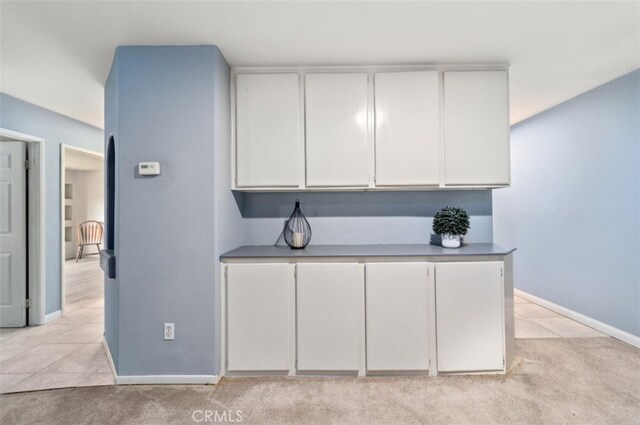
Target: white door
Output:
[
  {"x": 259, "y": 317},
  {"x": 330, "y": 317},
  {"x": 470, "y": 318},
  {"x": 397, "y": 317},
  {"x": 13, "y": 235},
  {"x": 407, "y": 128},
  {"x": 476, "y": 132},
  {"x": 337, "y": 146},
  {"x": 267, "y": 130}
]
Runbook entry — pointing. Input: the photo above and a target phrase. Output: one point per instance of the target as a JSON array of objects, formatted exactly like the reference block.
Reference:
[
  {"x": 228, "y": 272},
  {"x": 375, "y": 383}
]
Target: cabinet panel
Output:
[
  {"x": 407, "y": 114},
  {"x": 258, "y": 317},
  {"x": 267, "y": 130},
  {"x": 337, "y": 147},
  {"x": 330, "y": 316},
  {"x": 469, "y": 312},
  {"x": 476, "y": 128},
  {"x": 397, "y": 316}
]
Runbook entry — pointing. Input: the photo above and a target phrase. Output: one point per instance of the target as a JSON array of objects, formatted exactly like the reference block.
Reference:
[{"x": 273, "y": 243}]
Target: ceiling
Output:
[{"x": 57, "y": 54}]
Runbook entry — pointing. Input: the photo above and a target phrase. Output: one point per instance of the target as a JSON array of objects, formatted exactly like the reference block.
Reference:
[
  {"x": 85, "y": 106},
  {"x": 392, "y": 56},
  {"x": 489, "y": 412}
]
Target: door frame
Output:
[
  {"x": 35, "y": 224},
  {"x": 63, "y": 150}
]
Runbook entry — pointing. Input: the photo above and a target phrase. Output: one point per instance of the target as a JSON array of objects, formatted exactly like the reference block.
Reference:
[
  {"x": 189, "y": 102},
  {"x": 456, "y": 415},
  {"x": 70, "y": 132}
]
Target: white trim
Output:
[
  {"x": 112, "y": 366},
  {"x": 20, "y": 136},
  {"x": 223, "y": 318},
  {"x": 497, "y": 66},
  {"x": 156, "y": 379},
  {"x": 167, "y": 379},
  {"x": 63, "y": 152},
  {"x": 581, "y": 318},
  {"x": 37, "y": 252},
  {"x": 52, "y": 316}
]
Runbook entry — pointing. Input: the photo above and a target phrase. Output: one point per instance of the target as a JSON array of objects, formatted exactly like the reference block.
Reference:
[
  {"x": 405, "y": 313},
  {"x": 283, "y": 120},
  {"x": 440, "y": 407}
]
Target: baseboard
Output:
[
  {"x": 112, "y": 365},
  {"x": 167, "y": 379},
  {"x": 52, "y": 316},
  {"x": 581, "y": 318},
  {"x": 156, "y": 379}
]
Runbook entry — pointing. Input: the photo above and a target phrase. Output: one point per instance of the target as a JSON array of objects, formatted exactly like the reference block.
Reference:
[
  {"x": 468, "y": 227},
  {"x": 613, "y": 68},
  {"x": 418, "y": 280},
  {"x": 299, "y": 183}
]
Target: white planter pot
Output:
[{"x": 450, "y": 241}]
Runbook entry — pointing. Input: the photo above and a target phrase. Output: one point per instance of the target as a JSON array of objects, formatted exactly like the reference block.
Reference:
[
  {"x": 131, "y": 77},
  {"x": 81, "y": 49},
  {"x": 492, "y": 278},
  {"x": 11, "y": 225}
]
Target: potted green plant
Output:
[{"x": 451, "y": 224}]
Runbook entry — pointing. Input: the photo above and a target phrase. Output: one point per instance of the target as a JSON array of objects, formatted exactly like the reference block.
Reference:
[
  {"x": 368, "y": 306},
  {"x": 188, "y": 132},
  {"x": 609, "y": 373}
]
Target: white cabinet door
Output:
[
  {"x": 407, "y": 128},
  {"x": 259, "y": 319},
  {"x": 397, "y": 316},
  {"x": 267, "y": 130},
  {"x": 476, "y": 132},
  {"x": 470, "y": 319},
  {"x": 330, "y": 317},
  {"x": 337, "y": 146}
]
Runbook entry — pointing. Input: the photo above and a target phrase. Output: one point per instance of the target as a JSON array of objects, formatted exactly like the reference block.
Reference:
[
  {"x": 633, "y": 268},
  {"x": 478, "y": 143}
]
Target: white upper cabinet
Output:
[
  {"x": 268, "y": 136},
  {"x": 407, "y": 137},
  {"x": 336, "y": 119},
  {"x": 337, "y": 129},
  {"x": 476, "y": 105}
]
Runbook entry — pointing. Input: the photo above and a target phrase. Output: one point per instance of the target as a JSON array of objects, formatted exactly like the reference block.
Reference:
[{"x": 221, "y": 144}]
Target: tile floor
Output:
[
  {"x": 533, "y": 321},
  {"x": 66, "y": 352}
]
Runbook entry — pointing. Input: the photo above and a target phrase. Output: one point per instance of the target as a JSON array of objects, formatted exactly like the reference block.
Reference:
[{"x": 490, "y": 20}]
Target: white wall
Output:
[{"x": 88, "y": 203}]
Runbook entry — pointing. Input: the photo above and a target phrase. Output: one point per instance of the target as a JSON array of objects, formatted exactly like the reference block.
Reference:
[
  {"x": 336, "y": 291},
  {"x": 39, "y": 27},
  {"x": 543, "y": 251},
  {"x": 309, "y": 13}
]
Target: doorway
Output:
[
  {"x": 82, "y": 231},
  {"x": 67, "y": 351},
  {"x": 21, "y": 230}
]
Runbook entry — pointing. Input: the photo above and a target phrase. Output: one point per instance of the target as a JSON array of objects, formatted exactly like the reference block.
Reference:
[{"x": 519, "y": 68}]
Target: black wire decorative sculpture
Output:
[{"x": 297, "y": 231}]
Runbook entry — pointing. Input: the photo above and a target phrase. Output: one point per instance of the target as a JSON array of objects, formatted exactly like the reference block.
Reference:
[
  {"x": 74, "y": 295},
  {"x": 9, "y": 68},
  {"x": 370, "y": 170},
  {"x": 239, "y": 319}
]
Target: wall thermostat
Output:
[{"x": 149, "y": 168}]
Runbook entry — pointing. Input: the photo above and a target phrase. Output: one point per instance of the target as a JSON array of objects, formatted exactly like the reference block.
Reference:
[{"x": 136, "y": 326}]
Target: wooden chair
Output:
[{"x": 89, "y": 233}]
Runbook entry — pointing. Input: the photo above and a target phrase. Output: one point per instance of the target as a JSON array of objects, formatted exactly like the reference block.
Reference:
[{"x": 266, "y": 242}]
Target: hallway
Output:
[{"x": 66, "y": 352}]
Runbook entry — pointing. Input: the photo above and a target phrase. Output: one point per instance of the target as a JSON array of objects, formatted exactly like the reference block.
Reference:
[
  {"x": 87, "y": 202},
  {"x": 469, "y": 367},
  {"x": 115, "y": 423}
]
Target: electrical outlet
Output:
[{"x": 169, "y": 332}]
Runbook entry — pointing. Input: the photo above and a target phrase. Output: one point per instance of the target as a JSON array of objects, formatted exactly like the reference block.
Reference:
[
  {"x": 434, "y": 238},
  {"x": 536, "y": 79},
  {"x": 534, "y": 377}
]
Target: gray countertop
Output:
[{"x": 319, "y": 251}]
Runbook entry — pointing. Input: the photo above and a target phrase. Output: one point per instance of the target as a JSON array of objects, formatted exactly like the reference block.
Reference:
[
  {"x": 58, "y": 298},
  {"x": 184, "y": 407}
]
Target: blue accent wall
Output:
[
  {"x": 169, "y": 104},
  {"x": 364, "y": 217},
  {"x": 24, "y": 117},
  {"x": 573, "y": 209}
]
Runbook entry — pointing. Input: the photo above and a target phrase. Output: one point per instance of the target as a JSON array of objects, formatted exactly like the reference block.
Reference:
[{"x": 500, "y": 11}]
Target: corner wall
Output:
[
  {"x": 573, "y": 210},
  {"x": 172, "y": 107},
  {"x": 24, "y": 117}
]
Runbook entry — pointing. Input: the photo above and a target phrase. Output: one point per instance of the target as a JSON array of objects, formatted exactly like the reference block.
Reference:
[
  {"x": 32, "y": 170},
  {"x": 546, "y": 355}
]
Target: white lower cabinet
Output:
[
  {"x": 330, "y": 317},
  {"x": 382, "y": 317},
  {"x": 470, "y": 316},
  {"x": 397, "y": 317},
  {"x": 259, "y": 317}
]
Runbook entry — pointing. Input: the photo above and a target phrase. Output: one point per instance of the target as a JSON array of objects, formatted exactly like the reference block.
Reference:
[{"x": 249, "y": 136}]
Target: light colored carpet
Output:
[{"x": 556, "y": 381}]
